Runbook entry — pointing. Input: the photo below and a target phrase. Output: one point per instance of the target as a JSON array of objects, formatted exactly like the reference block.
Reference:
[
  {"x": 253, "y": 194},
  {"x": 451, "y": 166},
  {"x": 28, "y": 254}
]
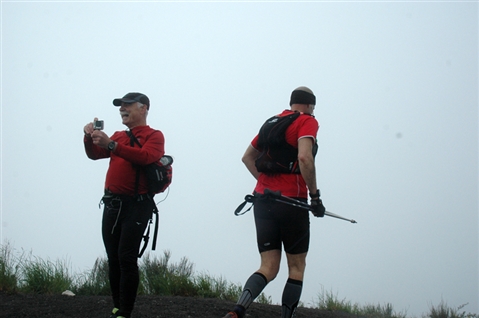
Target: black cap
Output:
[
  {"x": 133, "y": 98},
  {"x": 302, "y": 95}
]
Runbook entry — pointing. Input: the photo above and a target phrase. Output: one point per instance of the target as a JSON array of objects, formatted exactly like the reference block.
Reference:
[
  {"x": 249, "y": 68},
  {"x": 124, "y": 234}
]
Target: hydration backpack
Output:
[{"x": 277, "y": 156}]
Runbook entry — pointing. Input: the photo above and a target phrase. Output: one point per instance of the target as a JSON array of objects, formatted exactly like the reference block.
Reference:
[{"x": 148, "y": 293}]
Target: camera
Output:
[{"x": 98, "y": 125}]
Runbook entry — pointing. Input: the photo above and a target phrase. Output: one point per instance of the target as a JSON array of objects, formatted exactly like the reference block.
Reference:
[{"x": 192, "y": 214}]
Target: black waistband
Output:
[{"x": 127, "y": 198}]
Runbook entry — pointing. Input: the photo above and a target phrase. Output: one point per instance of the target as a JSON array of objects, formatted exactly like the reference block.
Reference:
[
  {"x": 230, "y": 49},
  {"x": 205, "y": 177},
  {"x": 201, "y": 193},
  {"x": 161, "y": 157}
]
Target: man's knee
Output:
[
  {"x": 296, "y": 265},
  {"x": 128, "y": 261},
  {"x": 270, "y": 262},
  {"x": 269, "y": 271}
]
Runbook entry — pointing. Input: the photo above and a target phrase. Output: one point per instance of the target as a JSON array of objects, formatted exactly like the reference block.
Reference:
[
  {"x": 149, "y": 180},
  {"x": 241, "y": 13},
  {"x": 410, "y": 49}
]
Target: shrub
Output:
[
  {"x": 212, "y": 287},
  {"x": 442, "y": 310},
  {"x": 45, "y": 277},
  {"x": 95, "y": 281},
  {"x": 159, "y": 277},
  {"x": 9, "y": 268},
  {"x": 329, "y": 301}
]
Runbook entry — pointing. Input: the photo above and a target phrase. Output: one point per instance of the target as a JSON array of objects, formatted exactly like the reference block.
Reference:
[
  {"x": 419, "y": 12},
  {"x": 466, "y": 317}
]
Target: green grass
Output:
[
  {"x": 45, "y": 277},
  {"x": 217, "y": 287},
  {"x": 331, "y": 302},
  {"x": 94, "y": 281},
  {"x": 442, "y": 310},
  {"x": 327, "y": 300},
  {"x": 159, "y": 276},
  {"x": 9, "y": 269}
]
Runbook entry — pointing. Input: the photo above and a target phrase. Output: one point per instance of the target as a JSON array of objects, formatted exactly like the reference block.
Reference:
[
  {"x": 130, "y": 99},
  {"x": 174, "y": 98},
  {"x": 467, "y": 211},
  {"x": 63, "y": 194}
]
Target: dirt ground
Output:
[{"x": 56, "y": 306}]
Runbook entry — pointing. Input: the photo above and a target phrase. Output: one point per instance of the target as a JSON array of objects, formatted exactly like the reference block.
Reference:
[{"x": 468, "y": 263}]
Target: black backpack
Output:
[
  {"x": 158, "y": 174},
  {"x": 277, "y": 156}
]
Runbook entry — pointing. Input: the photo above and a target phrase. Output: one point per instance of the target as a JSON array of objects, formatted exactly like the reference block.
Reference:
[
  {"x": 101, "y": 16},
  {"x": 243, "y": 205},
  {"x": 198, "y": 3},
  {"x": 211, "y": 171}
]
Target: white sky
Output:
[{"x": 397, "y": 100}]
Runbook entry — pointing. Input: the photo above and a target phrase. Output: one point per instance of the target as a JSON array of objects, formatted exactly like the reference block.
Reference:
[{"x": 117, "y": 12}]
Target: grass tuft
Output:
[
  {"x": 9, "y": 269},
  {"x": 330, "y": 301},
  {"x": 217, "y": 287},
  {"x": 45, "y": 277},
  {"x": 442, "y": 310},
  {"x": 94, "y": 282},
  {"x": 160, "y": 277}
]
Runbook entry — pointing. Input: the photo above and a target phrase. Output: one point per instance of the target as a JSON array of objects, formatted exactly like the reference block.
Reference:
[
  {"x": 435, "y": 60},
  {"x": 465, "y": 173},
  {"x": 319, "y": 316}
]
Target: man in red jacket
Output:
[
  {"x": 283, "y": 162},
  {"x": 128, "y": 206}
]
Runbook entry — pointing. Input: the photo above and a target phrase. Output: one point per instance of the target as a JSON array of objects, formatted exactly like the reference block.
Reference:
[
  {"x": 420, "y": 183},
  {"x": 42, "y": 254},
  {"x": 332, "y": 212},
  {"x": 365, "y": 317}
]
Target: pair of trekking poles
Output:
[{"x": 278, "y": 197}]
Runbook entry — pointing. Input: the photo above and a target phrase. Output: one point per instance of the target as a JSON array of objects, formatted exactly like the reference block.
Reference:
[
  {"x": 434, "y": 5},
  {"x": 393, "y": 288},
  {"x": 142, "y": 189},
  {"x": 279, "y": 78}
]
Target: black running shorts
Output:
[{"x": 279, "y": 223}]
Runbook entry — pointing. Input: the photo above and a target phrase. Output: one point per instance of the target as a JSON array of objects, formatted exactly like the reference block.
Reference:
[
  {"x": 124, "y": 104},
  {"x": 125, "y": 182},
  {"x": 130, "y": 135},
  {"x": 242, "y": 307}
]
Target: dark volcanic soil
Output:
[{"x": 56, "y": 306}]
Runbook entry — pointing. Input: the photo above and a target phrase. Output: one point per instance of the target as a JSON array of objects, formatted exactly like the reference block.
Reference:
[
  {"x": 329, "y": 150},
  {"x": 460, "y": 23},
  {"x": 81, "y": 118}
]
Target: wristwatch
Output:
[{"x": 111, "y": 145}]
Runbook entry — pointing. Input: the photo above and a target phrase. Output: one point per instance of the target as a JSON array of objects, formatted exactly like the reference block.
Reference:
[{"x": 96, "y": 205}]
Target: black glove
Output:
[{"x": 317, "y": 205}]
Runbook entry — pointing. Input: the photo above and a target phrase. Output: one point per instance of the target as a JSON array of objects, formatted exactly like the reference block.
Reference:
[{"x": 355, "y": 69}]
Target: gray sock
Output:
[
  {"x": 253, "y": 287},
  {"x": 291, "y": 295}
]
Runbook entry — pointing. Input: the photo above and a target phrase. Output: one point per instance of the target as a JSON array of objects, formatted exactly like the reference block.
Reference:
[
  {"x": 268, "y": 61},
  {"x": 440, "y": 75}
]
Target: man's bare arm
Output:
[
  {"x": 249, "y": 159},
  {"x": 306, "y": 163}
]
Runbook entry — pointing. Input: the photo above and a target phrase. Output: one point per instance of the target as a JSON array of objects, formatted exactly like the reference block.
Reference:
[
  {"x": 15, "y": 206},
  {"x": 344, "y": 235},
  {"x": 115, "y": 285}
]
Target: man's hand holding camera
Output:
[
  {"x": 94, "y": 130},
  {"x": 88, "y": 129}
]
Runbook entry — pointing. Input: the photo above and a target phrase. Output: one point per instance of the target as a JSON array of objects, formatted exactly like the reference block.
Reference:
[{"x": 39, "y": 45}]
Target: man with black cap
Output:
[
  {"x": 128, "y": 206},
  {"x": 282, "y": 159}
]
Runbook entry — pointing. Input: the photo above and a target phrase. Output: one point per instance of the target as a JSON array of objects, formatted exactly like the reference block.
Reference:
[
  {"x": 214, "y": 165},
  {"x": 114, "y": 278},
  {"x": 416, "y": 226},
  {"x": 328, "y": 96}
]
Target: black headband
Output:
[{"x": 302, "y": 97}]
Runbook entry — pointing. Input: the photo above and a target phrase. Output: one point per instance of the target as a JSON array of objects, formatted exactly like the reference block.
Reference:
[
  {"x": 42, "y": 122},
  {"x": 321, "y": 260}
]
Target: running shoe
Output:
[{"x": 113, "y": 313}]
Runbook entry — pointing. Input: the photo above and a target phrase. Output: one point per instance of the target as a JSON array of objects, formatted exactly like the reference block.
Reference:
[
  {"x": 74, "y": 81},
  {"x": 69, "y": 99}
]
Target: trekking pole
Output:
[{"x": 278, "y": 197}]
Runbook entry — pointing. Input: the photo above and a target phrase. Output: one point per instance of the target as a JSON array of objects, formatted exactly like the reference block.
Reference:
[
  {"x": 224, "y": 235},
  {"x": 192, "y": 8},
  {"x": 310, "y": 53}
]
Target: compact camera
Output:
[{"x": 98, "y": 125}]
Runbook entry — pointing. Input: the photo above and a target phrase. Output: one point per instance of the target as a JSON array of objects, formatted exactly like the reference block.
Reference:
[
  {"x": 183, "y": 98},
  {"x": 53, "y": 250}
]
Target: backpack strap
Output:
[
  {"x": 146, "y": 237},
  {"x": 133, "y": 140},
  {"x": 155, "y": 234}
]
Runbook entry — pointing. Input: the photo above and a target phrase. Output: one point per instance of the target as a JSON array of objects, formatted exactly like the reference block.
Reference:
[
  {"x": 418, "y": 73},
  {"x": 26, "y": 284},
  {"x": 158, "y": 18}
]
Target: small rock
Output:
[{"x": 68, "y": 293}]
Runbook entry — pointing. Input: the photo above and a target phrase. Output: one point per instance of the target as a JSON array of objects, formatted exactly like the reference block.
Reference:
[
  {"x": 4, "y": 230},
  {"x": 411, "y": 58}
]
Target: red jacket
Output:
[{"x": 124, "y": 160}]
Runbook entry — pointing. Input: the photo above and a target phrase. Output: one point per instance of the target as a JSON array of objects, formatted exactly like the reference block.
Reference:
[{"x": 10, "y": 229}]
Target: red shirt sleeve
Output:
[
  {"x": 93, "y": 151},
  {"x": 304, "y": 126}
]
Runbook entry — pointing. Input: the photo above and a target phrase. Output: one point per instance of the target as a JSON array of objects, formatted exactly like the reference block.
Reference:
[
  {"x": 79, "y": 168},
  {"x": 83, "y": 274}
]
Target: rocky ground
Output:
[{"x": 56, "y": 306}]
